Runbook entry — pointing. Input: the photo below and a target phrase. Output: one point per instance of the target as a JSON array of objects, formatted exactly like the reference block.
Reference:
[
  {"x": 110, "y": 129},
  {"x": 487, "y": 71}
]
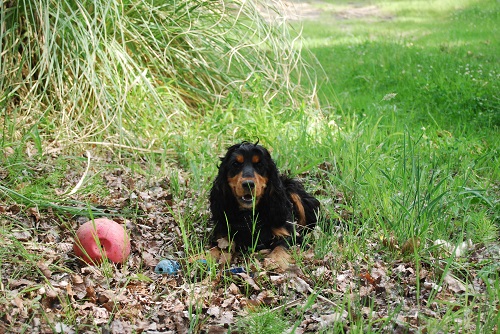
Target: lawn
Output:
[{"x": 399, "y": 140}]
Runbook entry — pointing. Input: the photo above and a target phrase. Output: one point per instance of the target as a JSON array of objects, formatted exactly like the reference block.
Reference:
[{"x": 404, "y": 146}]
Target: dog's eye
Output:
[{"x": 237, "y": 164}]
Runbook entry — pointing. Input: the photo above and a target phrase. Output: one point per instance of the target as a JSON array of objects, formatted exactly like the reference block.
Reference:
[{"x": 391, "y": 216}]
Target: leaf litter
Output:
[{"x": 46, "y": 289}]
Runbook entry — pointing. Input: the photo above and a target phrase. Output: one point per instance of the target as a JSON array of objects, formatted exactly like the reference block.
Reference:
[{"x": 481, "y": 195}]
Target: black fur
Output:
[{"x": 254, "y": 226}]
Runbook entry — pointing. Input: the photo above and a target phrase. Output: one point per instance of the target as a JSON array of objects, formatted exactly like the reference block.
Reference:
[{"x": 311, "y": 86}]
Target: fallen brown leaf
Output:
[
  {"x": 454, "y": 284},
  {"x": 44, "y": 268},
  {"x": 249, "y": 280},
  {"x": 410, "y": 246}
]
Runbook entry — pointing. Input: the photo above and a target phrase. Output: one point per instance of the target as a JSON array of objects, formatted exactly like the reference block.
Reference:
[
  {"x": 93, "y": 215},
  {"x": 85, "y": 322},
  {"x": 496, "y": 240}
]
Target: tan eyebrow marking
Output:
[
  {"x": 240, "y": 158},
  {"x": 255, "y": 159}
]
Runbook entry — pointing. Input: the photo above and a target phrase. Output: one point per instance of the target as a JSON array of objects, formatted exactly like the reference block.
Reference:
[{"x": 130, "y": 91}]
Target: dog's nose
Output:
[
  {"x": 248, "y": 184},
  {"x": 248, "y": 172}
]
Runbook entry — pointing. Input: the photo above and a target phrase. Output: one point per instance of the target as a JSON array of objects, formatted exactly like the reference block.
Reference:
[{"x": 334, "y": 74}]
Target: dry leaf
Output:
[
  {"x": 224, "y": 259},
  {"x": 149, "y": 259},
  {"x": 223, "y": 243},
  {"x": 410, "y": 246},
  {"x": 213, "y": 311},
  {"x": 100, "y": 314},
  {"x": 249, "y": 280},
  {"x": 228, "y": 302},
  {"x": 368, "y": 278},
  {"x": 18, "y": 302},
  {"x": 391, "y": 242},
  {"x": 76, "y": 279},
  {"x": 233, "y": 288},
  {"x": 454, "y": 284},
  {"x": 216, "y": 330},
  {"x": 63, "y": 328},
  {"x": 17, "y": 283},
  {"x": 51, "y": 292},
  {"x": 432, "y": 286},
  {"x": 44, "y": 268},
  {"x": 120, "y": 326},
  {"x": 328, "y": 320},
  {"x": 299, "y": 285},
  {"x": 226, "y": 317},
  {"x": 24, "y": 235},
  {"x": 321, "y": 271}
]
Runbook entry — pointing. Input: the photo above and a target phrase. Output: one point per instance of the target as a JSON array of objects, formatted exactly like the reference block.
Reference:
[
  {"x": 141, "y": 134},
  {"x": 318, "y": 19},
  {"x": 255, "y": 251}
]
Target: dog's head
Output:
[{"x": 247, "y": 169}]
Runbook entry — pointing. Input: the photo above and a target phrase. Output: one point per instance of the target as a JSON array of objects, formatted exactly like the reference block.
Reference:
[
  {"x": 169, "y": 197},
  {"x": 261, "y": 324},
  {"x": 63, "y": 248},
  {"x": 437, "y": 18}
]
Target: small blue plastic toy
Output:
[
  {"x": 236, "y": 270},
  {"x": 166, "y": 266},
  {"x": 172, "y": 267}
]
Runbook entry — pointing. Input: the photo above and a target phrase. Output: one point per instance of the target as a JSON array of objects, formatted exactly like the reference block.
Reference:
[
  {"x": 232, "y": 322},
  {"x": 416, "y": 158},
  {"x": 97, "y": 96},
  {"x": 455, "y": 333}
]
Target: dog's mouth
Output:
[
  {"x": 247, "y": 198},
  {"x": 248, "y": 201}
]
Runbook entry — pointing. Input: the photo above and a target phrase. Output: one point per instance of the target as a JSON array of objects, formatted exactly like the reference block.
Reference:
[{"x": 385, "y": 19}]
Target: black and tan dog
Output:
[{"x": 254, "y": 206}]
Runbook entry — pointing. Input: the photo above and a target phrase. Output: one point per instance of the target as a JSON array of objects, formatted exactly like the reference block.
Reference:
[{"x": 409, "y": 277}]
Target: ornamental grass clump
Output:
[{"x": 128, "y": 73}]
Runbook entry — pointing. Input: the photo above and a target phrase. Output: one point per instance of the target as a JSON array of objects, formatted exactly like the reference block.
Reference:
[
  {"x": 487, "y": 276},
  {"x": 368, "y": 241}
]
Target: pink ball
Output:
[{"x": 114, "y": 241}]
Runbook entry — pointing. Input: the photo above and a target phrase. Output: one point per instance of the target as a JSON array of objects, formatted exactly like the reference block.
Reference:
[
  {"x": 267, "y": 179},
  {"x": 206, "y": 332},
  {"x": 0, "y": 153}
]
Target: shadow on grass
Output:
[{"x": 424, "y": 68}]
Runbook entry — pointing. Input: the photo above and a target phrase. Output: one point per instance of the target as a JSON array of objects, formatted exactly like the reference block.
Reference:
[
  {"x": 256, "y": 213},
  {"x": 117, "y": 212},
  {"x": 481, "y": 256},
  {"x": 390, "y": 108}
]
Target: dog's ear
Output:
[
  {"x": 274, "y": 185},
  {"x": 218, "y": 204},
  {"x": 220, "y": 187},
  {"x": 220, "y": 194},
  {"x": 224, "y": 167},
  {"x": 279, "y": 206},
  {"x": 218, "y": 208}
]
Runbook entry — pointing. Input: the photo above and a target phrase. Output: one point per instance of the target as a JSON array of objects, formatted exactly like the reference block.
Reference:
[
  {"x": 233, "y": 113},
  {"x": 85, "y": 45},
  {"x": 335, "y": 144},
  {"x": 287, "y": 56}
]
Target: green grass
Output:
[
  {"x": 170, "y": 62},
  {"x": 404, "y": 147},
  {"x": 260, "y": 322},
  {"x": 425, "y": 92},
  {"x": 439, "y": 68}
]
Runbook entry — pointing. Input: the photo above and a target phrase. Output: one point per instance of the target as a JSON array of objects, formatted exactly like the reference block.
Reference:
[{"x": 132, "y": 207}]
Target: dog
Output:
[{"x": 254, "y": 206}]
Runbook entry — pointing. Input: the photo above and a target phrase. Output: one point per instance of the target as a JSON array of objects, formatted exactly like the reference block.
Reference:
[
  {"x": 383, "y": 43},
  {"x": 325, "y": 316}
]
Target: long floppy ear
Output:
[
  {"x": 221, "y": 198},
  {"x": 220, "y": 186},
  {"x": 218, "y": 208},
  {"x": 279, "y": 206}
]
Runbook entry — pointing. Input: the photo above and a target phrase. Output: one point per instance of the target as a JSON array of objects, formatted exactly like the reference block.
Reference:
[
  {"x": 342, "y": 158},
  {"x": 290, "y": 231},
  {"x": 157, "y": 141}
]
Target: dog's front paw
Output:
[{"x": 279, "y": 259}]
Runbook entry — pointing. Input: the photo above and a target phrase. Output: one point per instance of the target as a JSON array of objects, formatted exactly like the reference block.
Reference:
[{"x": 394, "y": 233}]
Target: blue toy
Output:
[
  {"x": 166, "y": 266},
  {"x": 172, "y": 267}
]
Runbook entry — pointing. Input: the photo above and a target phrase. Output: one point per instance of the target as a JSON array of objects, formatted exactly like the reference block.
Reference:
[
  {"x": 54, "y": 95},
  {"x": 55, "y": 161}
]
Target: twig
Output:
[
  {"x": 287, "y": 305},
  {"x": 79, "y": 184},
  {"x": 322, "y": 297}
]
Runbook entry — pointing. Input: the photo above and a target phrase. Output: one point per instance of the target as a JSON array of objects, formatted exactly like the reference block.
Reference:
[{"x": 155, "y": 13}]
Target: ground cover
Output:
[{"x": 403, "y": 154}]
